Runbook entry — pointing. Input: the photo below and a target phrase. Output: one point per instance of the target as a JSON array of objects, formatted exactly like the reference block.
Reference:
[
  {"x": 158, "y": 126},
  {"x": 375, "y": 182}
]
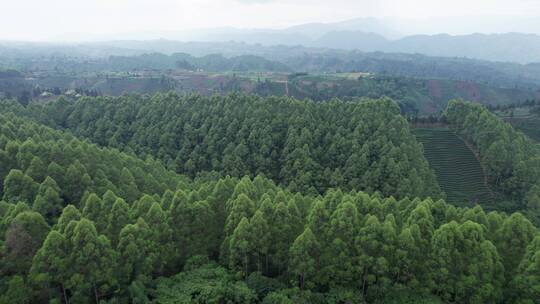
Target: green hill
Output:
[
  {"x": 523, "y": 118},
  {"x": 358, "y": 145},
  {"x": 458, "y": 171},
  {"x": 530, "y": 126}
]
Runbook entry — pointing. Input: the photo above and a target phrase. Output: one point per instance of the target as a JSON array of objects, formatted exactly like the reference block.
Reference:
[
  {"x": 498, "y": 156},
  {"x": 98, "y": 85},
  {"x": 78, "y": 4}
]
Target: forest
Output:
[
  {"x": 416, "y": 96},
  {"x": 270, "y": 152},
  {"x": 511, "y": 159},
  {"x": 421, "y": 84},
  {"x": 303, "y": 145},
  {"x": 248, "y": 199},
  {"x": 240, "y": 56}
]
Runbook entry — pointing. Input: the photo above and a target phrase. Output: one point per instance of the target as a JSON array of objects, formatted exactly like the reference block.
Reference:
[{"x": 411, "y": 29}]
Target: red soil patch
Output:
[
  {"x": 434, "y": 89},
  {"x": 470, "y": 89}
]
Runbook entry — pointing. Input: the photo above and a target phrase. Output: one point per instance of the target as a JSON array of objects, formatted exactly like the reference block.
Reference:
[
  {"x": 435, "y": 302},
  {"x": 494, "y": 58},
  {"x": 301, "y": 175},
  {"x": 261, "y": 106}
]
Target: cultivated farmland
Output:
[
  {"x": 458, "y": 171},
  {"x": 523, "y": 119}
]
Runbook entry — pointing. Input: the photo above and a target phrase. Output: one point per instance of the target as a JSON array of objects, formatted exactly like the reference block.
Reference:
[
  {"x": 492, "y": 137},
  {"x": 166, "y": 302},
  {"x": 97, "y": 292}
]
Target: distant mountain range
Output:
[
  {"x": 509, "y": 47},
  {"x": 362, "y": 34},
  {"x": 368, "y": 35}
]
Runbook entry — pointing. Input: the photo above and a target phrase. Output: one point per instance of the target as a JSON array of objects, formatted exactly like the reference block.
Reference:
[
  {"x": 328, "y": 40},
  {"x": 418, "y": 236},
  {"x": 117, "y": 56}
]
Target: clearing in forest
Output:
[{"x": 459, "y": 173}]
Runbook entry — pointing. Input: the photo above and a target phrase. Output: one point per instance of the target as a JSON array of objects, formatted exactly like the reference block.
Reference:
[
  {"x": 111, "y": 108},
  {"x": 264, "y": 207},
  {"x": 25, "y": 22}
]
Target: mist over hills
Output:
[
  {"x": 509, "y": 47},
  {"x": 362, "y": 34},
  {"x": 369, "y": 35},
  {"x": 363, "y": 44}
]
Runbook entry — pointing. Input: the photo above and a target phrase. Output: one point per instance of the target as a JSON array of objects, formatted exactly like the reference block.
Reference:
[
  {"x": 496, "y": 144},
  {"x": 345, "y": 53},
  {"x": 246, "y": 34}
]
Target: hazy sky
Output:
[{"x": 50, "y": 19}]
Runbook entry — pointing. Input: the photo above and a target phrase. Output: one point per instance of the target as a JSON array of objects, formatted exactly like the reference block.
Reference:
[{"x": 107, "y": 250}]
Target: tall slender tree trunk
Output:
[
  {"x": 266, "y": 261},
  {"x": 245, "y": 265},
  {"x": 259, "y": 263},
  {"x": 96, "y": 293},
  {"x": 364, "y": 285},
  {"x": 64, "y": 293}
]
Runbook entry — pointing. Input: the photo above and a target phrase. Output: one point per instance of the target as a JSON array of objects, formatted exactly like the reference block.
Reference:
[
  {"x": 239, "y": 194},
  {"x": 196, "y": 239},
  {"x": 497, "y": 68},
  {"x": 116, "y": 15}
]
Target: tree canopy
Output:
[
  {"x": 305, "y": 146},
  {"x": 81, "y": 223}
]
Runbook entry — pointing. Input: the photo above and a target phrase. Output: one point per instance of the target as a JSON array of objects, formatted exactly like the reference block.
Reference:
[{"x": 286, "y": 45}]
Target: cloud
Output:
[
  {"x": 256, "y": 1},
  {"x": 38, "y": 19}
]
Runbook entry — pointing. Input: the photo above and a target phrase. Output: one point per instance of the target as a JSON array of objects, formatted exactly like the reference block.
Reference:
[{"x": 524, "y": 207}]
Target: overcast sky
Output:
[{"x": 50, "y": 19}]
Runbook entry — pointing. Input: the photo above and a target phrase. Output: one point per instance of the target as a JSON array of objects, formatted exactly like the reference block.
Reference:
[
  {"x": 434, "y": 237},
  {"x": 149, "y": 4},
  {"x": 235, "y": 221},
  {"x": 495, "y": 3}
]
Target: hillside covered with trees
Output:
[
  {"x": 512, "y": 160},
  {"x": 84, "y": 224},
  {"x": 421, "y": 84},
  {"x": 303, "y": 145},
  {"x": 264, "y": 152},
  {"x": 239, "y": 56},
  {"x": 416, "y": 96}
]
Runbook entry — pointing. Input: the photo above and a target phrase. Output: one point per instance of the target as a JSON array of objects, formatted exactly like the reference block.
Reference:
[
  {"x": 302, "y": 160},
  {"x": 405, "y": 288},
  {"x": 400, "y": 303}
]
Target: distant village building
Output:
[{"x": 70, "y": 92}]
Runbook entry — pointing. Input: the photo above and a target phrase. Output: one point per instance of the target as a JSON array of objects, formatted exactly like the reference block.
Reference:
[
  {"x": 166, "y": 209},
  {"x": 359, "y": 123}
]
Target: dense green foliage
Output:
[
  {"x": 512, "y": 160},
  {"x": 459, "y": 173},
  {"x": 419, "y": 83},
  {"x": 306, "y": 146},
  {"x": 415, "y": 65},
  {"x": 530, "y": 126},
  {"x": 524, "y": 117},
  {"x": 145, "y": 61},
  {"x": 82, "y": 58},
  {"x": 415, "y": 95},
  {"x": 39, "y": 163},
  {"x": 214, "y": 63},
  {"x": 83, "y": 224}
]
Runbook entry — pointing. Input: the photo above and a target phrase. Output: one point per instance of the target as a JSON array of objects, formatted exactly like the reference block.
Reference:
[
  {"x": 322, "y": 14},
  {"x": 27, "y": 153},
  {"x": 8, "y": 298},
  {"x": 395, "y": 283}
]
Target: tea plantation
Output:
[{"x": 458, "y": 171}]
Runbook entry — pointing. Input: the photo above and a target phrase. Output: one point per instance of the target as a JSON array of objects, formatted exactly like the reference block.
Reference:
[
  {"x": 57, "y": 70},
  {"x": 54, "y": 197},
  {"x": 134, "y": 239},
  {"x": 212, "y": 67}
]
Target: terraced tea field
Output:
[
  {"x": 529, "y": 126},
  {"x": 458, "y": 171}
]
